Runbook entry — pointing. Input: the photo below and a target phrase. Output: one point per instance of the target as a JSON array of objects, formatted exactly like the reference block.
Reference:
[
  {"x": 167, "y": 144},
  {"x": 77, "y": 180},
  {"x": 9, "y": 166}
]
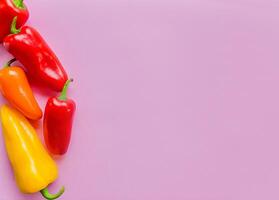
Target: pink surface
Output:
[{"x": 177, "y": 100}]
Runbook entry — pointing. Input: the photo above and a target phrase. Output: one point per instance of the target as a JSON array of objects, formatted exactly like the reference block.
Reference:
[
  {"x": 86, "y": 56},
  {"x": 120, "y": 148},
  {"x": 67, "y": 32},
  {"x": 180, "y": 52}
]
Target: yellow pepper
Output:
[{"x": 33, "y": 167}]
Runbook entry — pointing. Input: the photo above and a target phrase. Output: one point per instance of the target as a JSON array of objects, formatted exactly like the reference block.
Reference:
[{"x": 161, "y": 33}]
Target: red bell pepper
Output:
[
  {"x": 29, "y": 48},
  {"x": 8, "y": 10},
  {"x": 58, "y": 119}
]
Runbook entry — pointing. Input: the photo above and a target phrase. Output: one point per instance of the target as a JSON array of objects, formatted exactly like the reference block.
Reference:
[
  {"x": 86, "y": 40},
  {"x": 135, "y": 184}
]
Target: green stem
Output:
[
  {"x": 14, "y": 30},
  {"x": 49, "y": 196},
  {"x": 19, "y": 4},
  {"x": 63, "y": 95},
  {"x": 8, "y": 64}
]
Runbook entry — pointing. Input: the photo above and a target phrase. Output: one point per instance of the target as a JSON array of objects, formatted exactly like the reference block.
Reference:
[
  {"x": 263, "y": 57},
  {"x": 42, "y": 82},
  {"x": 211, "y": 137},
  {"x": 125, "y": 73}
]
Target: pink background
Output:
[{"x": 177, "y": 100}]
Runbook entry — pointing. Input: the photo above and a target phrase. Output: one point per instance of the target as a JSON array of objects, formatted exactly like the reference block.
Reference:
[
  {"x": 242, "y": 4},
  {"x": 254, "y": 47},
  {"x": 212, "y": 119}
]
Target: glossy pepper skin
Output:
[
  {"x": 42, "y": 65},
  {"x": 15, "y": 88},
  {"x": 58, "y": 119},
  {"x": 8, "y": 10},
  {"x": 33, "y": 167}
]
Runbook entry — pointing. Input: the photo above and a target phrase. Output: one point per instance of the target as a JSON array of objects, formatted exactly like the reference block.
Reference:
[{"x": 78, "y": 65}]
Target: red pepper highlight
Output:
[
  {"x": 29, "y": 48},
  {"x": 8, "y": 10},
  {"x": 58, "y": 119}
]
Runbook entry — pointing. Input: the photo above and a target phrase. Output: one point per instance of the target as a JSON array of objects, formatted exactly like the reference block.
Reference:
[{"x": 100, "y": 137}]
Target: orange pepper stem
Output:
[
  {"x": 63, "y": 95},
  {"x": 45, "y": 193},
  {"x": 8, "y": 64},
  {"x": 14, "y": 30}
]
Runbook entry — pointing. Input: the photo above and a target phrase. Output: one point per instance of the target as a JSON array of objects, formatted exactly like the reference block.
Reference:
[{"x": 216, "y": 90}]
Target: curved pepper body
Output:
[
  {"x": 58, "y": 120},
  {"x": 8, "y": 9},
  {"x": 33, "y": 168},
  {"x": 15, "y": 88},
  {"x": 41, "y": 63}
]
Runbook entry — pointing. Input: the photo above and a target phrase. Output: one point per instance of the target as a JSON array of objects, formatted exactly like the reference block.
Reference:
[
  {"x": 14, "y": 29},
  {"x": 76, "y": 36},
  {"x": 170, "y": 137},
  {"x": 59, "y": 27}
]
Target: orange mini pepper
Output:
[{"x": 15, "y": 88}]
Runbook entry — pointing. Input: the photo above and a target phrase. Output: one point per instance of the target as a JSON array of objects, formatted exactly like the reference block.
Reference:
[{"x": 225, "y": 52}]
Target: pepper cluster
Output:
[{"x": 33, "y": 165}]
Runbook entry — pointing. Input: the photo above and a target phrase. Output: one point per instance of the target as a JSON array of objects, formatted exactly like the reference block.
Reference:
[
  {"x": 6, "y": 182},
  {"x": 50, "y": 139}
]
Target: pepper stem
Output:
[
  {"x": 63, "y": 95},
  {"x": 19, "y": 4},
  {"x": 8, "y": 64},
  {"x": 14, "y": 30},
  {"x": 45, "y": 193}
]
